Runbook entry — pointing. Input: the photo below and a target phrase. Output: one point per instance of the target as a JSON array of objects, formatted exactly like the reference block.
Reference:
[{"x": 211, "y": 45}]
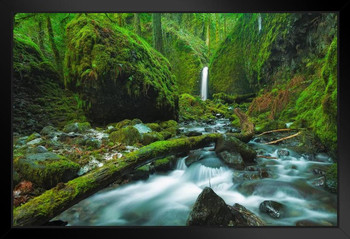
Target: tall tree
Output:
[
  {"x": 137, "y": 24},
  {"x": 41, "y": 33},
  {"x": 55, "y": 51},
  {"x": 157, "y": 32}
]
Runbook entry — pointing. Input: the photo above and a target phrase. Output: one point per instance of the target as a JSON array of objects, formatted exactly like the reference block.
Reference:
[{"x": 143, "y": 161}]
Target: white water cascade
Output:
[
  {"x": 204, "y": 83},
  {"x": 259, "y": 22}
]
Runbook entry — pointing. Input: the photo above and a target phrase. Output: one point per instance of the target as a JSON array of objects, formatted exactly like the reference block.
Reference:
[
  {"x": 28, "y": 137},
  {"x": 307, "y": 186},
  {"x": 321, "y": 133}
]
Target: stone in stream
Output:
[
  {"x": 193, "y": 156},
  {"x": 282, "y": 152},
  {"x": 193, "y": 133},
  {"x": 232, "y": 159},
  {"x": 231, "y": 144},
  {"x": 211, "y": 209},
  {"x": 272, "y": 208}
]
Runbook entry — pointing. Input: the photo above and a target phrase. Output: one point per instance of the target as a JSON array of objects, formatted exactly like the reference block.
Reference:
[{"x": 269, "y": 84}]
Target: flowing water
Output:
[
  {"x": 204, "y": 83},
  {"x": 166, "y": 199}
]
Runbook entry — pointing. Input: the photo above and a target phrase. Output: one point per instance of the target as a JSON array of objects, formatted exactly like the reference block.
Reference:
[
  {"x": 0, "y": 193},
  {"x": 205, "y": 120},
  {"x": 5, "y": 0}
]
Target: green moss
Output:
[
  {"x": 317, "y": 104},
  {"x": 46, "y": 169},
  {"x": 100, "y": 54},
  {"x": 237, "y": 65},
  {"x": 332, "y": 178},
  {"x": 77, "y": 127},
  {"x": 128, "y": 135},
  {"x": 154, "y": 127}
]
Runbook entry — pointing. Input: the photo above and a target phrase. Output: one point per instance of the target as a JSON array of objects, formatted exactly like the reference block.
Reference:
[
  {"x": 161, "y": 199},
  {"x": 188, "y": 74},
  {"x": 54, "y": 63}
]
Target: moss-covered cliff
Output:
[
  {"x": 38, "y": 95},
  {"x": 117, "y": 74}
]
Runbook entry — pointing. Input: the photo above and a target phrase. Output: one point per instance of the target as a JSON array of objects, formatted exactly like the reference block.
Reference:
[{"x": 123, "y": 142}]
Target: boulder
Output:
[
  {"x": 209, "y": 209},
  {"x": 128, "y": 135},
  {"x": 272, "y": 208},
  {"x": 230, "y": 143},
  {"x": 151, "y": 137},
  {"x": 193, "y": 156},
  {"x": 193, "y": 133},
  {"x": 117, "y": 74},
  {"x": 232, "y": 159},
  {"x": 244, "y": 217},
  {"x": 46, "y": 169}
]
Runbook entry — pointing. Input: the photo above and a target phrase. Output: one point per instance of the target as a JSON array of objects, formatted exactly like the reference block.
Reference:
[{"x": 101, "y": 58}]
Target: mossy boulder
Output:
[
  {"x": 46, "y": 169},
  {"x": 128, "y": 135},
  {"x": 151, "y": 137},
  {"x": 229, "y": 143},
  {"x": 117, "y": 74},
  {"x": 77, "y": 127}
]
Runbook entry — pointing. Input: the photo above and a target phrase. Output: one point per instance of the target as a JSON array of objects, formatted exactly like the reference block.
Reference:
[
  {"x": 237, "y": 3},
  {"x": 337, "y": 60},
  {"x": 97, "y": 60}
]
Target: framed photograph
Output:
[{"x": 177, "y": 119}]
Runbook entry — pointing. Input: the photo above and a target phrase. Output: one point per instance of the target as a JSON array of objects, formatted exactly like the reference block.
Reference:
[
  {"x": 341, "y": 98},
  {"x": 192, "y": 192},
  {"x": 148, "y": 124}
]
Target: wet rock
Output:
[
  {"x": 318, "y": 182},
  {"x": 322, "y": 157},
  {"x": 77, "y": 127},
  {"x": 193, "y": 156},
  {"x": 48, "y": 131},
  {"x": 209, "y": 209},
  {"x": 318, "y": 171},
  {"x": 93, "y": 143},
  {"x": 232, "y": 144},
  {"x": 209, "y": 130},
  {"x": 244, "y": 217},
  {"x": 40, "y": 149},
  {"x": 272, "y": 208},
  {"x": 232, "y": 159},
  {"x": 282, "y": 152},
  {"x": 193, "y": 133}
]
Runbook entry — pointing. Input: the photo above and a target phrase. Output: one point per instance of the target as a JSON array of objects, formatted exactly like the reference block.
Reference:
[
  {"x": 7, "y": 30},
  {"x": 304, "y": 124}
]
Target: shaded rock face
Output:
[
  {"x": 210, "y": 209},
  {"x": 38, "y": 96},
  {"x": 117, "y": 75}
]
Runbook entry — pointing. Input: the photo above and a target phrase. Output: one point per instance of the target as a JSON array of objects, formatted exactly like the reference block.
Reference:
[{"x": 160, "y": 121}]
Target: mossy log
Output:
[{"x": 54, "y": 201}]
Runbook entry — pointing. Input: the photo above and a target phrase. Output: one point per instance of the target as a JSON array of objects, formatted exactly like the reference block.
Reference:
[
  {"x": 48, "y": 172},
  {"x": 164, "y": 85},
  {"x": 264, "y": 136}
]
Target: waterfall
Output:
[
  {"x": 259, "y": 22},
  {"x": 204, "y": 83}
]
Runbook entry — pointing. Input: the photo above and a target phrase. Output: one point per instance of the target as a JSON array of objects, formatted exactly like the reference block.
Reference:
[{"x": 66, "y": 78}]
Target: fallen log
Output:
[
  {"x": 288, "y": 137},
  {"x": 52, "y": 202}
]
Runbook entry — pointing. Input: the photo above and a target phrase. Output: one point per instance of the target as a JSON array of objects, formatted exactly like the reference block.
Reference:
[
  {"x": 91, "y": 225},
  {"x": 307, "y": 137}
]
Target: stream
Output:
[{"x": 166, "y": 199}]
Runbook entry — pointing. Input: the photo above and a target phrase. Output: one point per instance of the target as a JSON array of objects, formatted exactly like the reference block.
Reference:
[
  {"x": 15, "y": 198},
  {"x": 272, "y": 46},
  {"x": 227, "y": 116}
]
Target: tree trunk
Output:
[
  {"x": 41, "y": 34},
  {"x": 51, "y": 203},
  {"x": 54, "y": 47},
  {"x": 157, "y": 32},
  {"x": 137, "y": 24}
]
